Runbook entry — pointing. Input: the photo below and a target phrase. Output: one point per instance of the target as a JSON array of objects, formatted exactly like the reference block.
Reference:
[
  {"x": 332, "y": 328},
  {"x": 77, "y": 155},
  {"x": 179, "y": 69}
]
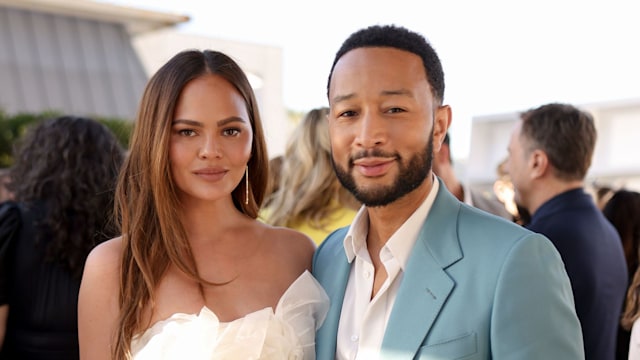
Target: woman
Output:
[
  {"x": 63, "y": 181},
  {"x": 309, "y": 197},
  {"x": 194, "y": 274},
  {"x": 623, "y": 211}
]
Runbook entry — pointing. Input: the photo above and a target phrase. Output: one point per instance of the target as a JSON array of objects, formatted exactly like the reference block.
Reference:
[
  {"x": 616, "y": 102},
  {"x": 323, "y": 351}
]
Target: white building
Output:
[
  {"x": 73, "y": 57},
  {"x": 93, "y": 59}
]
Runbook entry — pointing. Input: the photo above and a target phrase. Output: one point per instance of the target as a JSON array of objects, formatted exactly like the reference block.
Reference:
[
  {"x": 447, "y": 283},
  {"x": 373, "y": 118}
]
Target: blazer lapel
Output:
[{"x": 425, "y": 285}]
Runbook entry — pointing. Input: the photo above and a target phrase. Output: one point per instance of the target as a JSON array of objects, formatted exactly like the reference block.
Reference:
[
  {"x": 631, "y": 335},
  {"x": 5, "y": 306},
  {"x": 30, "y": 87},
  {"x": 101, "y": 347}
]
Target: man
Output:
[
  {"x": 419, "y": 274},
  {"x": 550, "y": 153},
  {"x": 443, "y": 168}
]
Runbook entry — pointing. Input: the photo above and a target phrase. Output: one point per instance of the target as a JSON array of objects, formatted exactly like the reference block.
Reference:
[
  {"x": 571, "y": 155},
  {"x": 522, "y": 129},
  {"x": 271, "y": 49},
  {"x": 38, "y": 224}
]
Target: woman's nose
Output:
[{"x": 209, "y": 149}]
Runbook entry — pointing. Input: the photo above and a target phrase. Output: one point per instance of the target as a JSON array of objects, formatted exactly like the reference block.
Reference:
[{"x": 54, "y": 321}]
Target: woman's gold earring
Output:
[{"x": 246, "y": 185}]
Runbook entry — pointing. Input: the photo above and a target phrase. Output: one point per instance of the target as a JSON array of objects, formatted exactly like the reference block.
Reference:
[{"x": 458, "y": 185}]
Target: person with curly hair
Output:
[
  {"x": 309, "y": 197},
  {"x": 63, "y": 183},
  {"x": 194, "y": 274}
]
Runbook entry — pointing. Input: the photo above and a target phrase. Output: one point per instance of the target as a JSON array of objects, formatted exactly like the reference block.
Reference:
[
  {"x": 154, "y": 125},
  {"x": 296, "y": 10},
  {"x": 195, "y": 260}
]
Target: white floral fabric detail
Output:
[{"x": 286, "y": 333}]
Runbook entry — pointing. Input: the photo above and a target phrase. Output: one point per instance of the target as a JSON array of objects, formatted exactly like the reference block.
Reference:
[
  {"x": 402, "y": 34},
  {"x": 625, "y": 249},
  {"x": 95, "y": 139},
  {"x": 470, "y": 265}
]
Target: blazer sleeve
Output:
[{"x": 534, "y": 314}]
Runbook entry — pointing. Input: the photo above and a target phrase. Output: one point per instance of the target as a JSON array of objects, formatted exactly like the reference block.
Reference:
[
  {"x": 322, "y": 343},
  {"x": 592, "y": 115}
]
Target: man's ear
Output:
[
  {"x": 441, "y": 123},
  {"x": 538, "y": 163}
]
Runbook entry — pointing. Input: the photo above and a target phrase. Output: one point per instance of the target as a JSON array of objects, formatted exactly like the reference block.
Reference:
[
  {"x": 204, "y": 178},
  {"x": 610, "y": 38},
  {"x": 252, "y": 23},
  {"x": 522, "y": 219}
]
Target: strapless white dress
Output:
[{"x": 286, "y": 333}]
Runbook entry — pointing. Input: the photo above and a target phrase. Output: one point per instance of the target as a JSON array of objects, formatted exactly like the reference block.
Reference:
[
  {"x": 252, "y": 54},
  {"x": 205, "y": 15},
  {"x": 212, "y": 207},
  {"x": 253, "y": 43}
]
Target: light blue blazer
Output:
[{"x": 476, "y": 286}]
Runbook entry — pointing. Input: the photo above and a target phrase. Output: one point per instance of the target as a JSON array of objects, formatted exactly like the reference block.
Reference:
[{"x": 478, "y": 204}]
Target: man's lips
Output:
[{"x": 372, "y": 167}]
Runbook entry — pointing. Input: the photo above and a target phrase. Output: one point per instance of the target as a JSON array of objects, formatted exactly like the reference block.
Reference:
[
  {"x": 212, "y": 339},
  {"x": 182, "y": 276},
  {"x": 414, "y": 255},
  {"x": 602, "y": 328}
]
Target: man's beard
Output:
[{"x": 410, "y": 175}]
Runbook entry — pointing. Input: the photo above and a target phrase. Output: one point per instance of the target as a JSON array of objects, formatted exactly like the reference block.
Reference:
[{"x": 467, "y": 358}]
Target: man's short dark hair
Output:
[
  {"x": 565, "y": 133},
  {"x": 399, "y": 38}
]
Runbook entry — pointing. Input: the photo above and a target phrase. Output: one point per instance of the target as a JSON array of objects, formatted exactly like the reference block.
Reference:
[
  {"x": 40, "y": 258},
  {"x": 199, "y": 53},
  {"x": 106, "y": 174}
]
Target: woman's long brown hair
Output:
[{"x": 146, "y": 204}]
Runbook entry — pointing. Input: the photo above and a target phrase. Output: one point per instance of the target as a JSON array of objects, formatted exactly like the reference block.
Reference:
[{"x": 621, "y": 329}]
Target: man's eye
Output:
[{"x": 348, "y": 113}]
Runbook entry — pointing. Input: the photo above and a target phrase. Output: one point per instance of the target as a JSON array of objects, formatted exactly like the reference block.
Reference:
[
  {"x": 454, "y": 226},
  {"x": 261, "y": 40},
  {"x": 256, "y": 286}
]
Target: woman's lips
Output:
[{"x": 211, "y": 174}]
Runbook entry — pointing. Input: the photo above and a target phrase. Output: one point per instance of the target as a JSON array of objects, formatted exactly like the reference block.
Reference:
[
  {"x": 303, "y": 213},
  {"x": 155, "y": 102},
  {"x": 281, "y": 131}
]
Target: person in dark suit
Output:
[
  {"x": 418, "y": 274},
  {"x": 550, "y": 152}
]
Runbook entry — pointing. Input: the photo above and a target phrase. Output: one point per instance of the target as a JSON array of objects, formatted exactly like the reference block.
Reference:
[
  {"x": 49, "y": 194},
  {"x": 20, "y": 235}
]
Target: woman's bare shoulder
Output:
[
  {"x": 291, "y": 237},
  {"x": 290, "y": 243},
  {"x": 106, "y": 254},
  {"x": 98, "y": 308},
  {"x": 102, "y": 267},
  {"x": 101, "y": 276}
]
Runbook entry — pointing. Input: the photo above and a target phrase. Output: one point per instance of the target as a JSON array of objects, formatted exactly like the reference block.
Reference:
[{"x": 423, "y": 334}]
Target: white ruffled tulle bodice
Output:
[{"x": 286, "y": 333}]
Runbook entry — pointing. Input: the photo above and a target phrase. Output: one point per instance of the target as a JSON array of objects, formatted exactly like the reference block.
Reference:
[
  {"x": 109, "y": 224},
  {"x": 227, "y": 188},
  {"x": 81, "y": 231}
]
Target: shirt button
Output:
[
  {"x": 354, "y": 338},
  {"x": 367, "y": 274}
]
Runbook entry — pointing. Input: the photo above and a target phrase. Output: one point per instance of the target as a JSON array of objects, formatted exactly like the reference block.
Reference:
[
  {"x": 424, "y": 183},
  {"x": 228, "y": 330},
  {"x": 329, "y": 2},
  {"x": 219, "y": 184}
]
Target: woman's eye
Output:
[
  {"x": 186, "y": 132},
  {"x": 231, "y": 132}
]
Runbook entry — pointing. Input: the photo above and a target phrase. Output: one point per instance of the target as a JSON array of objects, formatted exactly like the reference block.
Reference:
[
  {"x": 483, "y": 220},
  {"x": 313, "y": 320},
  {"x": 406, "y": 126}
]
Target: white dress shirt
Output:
[{"x": 363, "y": 320}]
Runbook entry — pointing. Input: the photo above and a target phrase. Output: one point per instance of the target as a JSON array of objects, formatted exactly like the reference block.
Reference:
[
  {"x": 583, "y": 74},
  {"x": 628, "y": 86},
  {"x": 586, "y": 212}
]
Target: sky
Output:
[{"x": 498, "y": 56}]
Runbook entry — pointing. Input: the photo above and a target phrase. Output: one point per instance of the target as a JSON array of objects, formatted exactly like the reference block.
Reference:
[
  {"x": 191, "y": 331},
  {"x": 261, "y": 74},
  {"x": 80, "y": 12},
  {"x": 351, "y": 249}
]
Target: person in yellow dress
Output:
[{"x": 309, "y": 197}]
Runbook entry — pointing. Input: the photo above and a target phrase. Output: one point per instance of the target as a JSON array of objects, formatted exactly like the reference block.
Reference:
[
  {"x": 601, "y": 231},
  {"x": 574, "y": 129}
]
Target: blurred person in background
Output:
[
  {"x": 503, "y": 188},
  {"x": 602, "y": 194},
  {"x": 273, "y": 183},
  {"x": 484, "y": 200},
  {"x": 5, "y": 194},
  {"x": 623, "y": 211},
  {"x": 63, "y": 182},
  {"x": 310, "y": 198},
  {"x": 550, "y": 152},
  {"x": 630, "y": 318}
]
